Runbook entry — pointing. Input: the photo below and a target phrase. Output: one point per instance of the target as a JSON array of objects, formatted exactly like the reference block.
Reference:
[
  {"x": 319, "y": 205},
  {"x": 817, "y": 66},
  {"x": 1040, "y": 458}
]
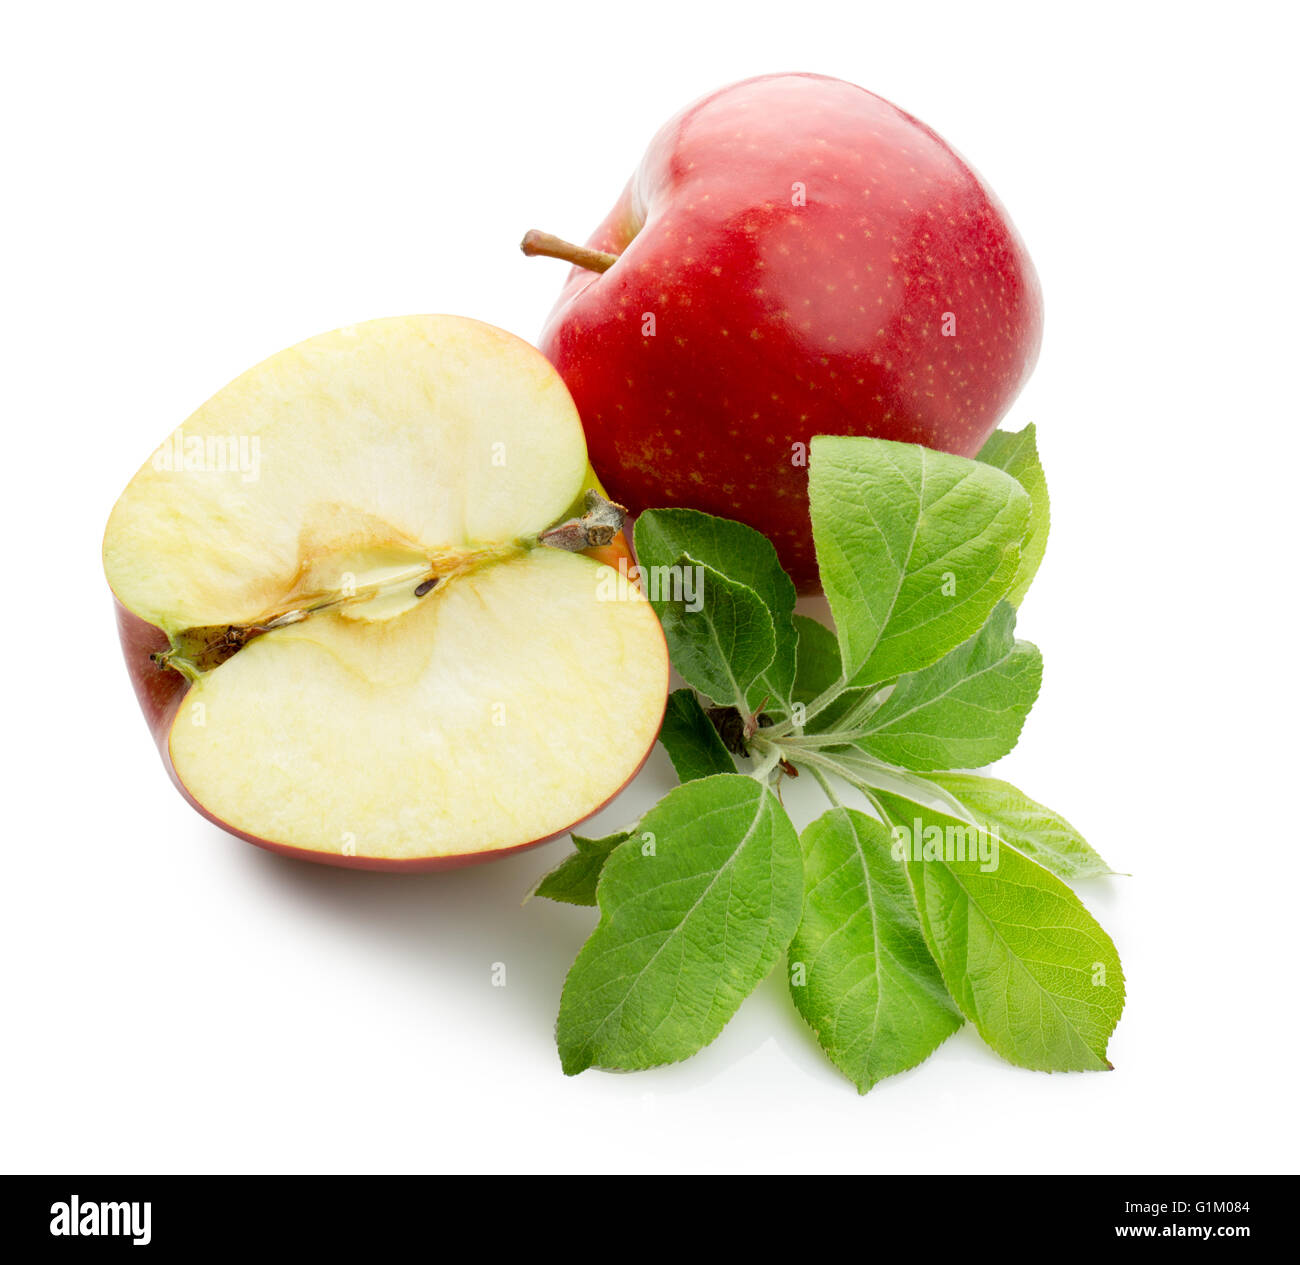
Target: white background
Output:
[{"x": 188, "y": 189}]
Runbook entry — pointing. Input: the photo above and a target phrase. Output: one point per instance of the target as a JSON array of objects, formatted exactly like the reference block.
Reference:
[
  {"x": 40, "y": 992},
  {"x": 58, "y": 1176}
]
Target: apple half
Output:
[{"x": 346, "y": 616}]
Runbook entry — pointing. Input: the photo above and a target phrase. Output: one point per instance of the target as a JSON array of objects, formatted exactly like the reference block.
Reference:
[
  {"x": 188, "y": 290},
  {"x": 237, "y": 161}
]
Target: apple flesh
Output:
[
  {"x": 362, "y": 647},
  {"x": 794, "y": 256}
]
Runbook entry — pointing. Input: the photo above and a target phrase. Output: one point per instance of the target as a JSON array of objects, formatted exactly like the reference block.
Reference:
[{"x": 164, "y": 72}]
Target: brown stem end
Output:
[
  {"x": 539, "y": 243},
  {"x": 597, "y": 527}
]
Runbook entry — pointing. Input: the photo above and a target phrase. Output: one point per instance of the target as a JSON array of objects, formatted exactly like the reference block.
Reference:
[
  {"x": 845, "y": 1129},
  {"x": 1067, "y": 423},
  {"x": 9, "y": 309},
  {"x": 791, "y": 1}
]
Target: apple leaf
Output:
[
  {"x": 720, "y": 635},
  {"x": 915, "y": 547},
  {"x": 817, "y": 660},
  {"x": 574, "y": 880},
  {"x": 692, "y": 743},
  {"x": 965, "y": 711},
  {"x": 694, "y": 911},
  {"x": 1022, "y": 958},
  {"x": 742, "y": 555},
  {"x": 1016, "y": 452},
  {"x": 1038, "y": 832},
  {"x": 860, "y": 972},
  {"x": 951, "y": 907},
  {"x": 817, "y": 669}
]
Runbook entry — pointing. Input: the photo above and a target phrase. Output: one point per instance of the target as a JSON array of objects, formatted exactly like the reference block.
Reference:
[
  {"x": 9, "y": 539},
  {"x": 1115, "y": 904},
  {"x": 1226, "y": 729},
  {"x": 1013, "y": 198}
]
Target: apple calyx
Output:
[
  {"x": 596, "y": 528},
  {"x": 538, "y": 243}
]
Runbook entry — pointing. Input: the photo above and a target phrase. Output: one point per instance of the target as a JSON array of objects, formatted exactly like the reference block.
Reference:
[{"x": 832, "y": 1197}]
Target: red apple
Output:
[
  {"x": 355, "y": 628},
  {"x": 795, "y": 256}
]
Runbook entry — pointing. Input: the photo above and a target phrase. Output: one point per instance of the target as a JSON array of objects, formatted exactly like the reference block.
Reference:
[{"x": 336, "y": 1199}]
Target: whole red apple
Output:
[{"x": 795, "y": 256}]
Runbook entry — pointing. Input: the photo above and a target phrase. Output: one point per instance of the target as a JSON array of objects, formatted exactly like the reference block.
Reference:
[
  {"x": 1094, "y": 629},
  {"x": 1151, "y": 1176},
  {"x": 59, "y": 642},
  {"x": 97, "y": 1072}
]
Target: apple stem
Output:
[{"x": 539, "y": 243}]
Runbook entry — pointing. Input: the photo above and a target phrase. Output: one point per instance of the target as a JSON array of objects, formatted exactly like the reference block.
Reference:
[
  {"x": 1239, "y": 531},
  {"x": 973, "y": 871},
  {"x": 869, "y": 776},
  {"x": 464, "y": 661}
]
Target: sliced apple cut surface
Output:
[
  {"x": 372, "y": 655},
  {"x": 502, "y": 711},
  {"x": 399, "y": 436}
]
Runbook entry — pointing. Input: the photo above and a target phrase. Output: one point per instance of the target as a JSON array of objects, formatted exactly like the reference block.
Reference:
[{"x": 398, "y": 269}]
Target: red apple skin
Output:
[
  {"x": 161, "y": 693},
  {"x": 775, "y": 322}
]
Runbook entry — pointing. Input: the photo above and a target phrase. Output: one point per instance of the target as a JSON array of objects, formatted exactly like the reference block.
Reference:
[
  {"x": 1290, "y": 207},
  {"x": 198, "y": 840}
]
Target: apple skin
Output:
[
  {"x": 161, "y": 692},
  {"x": 775, "y": 322}
]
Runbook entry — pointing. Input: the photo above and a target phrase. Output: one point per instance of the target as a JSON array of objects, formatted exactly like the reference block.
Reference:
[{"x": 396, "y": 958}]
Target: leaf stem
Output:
[
  {"x": 850, "y": 730},
  {"x": 816, "y": 761},
  {"x": 771, "y": 756},
  {"x": 831, "y": 738},
  {"x": 824, "y": 782},
  {"x": 819, "y": 704},
  {"x": 863, "y": 708}
]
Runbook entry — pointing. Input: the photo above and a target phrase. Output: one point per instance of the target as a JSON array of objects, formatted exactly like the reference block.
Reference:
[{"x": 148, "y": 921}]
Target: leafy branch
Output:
[{"x": 943, "y": 898}]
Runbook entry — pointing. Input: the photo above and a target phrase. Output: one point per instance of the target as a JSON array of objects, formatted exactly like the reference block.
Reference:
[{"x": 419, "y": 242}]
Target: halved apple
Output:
[{"x": 347, "y": 622}]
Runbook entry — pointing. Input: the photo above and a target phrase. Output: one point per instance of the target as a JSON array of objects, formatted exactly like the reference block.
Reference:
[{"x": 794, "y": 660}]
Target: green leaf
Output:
[
  {"x": 742, "y": 555},
  {"x": 1044, "y": 836},
  {"x": 690, "y": 922},
  {"x": 965, "y": 711},
  {"x": 692, "y": 743},
  {"x": 869, "y": 990},
  {"x": 817, "y": 660},
  {"x": 915, "y": 547},
  {"x": 574, "y": 880},
  {"x": 722, "y": 646},
  {"x": 1022, "y": 958},
  {"x": 1016, "y": 452},
  {"x": 817, "y": 669}
]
